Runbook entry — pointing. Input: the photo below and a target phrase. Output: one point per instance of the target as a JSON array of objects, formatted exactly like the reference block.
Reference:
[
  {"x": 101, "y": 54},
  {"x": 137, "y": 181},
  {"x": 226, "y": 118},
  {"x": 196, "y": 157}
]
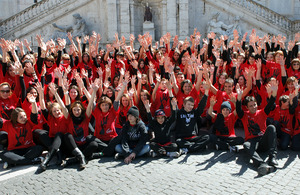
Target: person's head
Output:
[
  {"x": 26, "y": 64},
  {"x": 18, "y": 116},
  {"x": 116, "y": 80},
  {"x": 290, "y": 83},
  {"x": 74, "y": 92},
  {"x": 98, "y": 58},
  {"x": 225, "y": 108},
  {"x": 144, "y": 79},
  {"x": 55, "y": 110},
  {"x": 145, "y": 95},
  {"x": 176, "y": 55},
  {"x": 295, "y": 64},
  {"x": 222, "y": 78},
  {"x": 141, "y": 63},
  {"x": 157, "y": 55},
  {"x": 160, "y": 116},
  {"x": 163, "y": 84},
  {"x": 284, "y": 102},
  {"x": 162, "y": 49},
  {"x": 188, "y": 104},
  {"x": 10, "y": 69},
  {"x": 186, "y": 86},
  {"x": 104, "y": 104},
  {"x": 133, "y": 115},
  {"x": 65, "y": 58},
  {"x": 49, "y": 60},
  {"x": 120, "y": 56},
  {"x": 85, "y": 57},
  {"x": 241, "y": 81},
  {"x": 251, "y": 58},
  {"x": 228, "y": 86},
  {"x": 180, "y": 77},
  {"x": 28, "y": 57},
  {"x": 251, "y": 104},
  {"x": 5, "y": 90},
  {"x": 180, "y": 46},
  {"x": 125, "y": 100},
  {"x": 33, "y": 91},
  {"x": 278, "y": 56},
  {"x": 77, "y": 109},
  {"x": 241, "y": 58},
  {"x": 110, "y": 92},
  {"x": 48, "y": 92},
  {"x": 270, "y": 56}
]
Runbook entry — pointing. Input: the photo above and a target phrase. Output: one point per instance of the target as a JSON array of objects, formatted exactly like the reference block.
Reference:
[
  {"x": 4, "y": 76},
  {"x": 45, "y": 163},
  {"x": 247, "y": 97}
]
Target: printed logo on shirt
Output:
[
  {"x": 187, "y": 117},
  {"x": 21, "y": 137},
  {"x": 253, "y": 128}
]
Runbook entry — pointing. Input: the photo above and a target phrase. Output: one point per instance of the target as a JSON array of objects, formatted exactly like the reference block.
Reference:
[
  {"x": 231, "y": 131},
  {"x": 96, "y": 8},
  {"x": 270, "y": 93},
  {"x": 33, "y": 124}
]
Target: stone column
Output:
[
  {"x": 164, "y": 17},
  {"x": 183, "y": 18},
  {"x": 171, "y": 17},
  {"x": 124, "y": 19},
  {"x": 112, "y": 19},
  {"x": 132, "y": 30}
]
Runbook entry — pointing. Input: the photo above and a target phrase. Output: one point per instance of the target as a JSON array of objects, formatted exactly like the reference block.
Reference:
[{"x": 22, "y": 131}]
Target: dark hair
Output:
[
  {"x": 15, "y": 114},
  {"x": 249, "y": 99},
  {"x": 188, "y": 99},
  {"x": 283, "y": 99},
  {"x": 184, "y": 82},
  {"x": 105, "y": 99},
  {"x": 78, "y": 91}
]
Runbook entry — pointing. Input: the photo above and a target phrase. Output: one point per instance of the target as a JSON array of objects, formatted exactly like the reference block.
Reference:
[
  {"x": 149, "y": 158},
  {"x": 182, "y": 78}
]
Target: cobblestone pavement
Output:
[{"x": 209, "y": 172}]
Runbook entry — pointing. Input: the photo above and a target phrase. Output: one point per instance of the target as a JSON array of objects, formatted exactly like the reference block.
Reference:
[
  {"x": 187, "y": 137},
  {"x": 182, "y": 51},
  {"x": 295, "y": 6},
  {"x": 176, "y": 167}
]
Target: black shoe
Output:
[
  {"x": 272, "y": 161},
  {"x": 80, "y": 157},
  {"x": 47, "y": 159},
  {"x": 37, "y": 160},
  {"x": 265, "y": 169}
]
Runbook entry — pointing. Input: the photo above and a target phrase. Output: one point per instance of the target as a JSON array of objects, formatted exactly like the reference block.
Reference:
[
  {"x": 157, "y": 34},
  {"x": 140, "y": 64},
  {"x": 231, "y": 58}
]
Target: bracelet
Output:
[{"x": 66, "y": 92}]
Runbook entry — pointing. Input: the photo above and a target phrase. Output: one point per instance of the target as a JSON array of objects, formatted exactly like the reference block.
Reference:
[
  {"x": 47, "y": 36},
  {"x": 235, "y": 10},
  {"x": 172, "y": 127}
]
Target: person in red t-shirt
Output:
[
  {"x": 21, "y": 149},
  {"x": 223, "y": 128},
  {"x": 284, "y": 114},
  {"x": 258, "y": 137}
]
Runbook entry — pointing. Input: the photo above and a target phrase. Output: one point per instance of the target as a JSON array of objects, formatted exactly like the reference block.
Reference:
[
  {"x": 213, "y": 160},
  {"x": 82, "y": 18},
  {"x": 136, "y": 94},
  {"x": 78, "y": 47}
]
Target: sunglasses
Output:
[{"x": 5, "y": 91}]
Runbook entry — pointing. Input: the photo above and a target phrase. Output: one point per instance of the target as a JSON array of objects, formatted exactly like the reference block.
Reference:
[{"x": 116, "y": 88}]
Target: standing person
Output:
[
  {"x": 134, "y": 137},
  {"x": 258, "y": 137},
  {"x": 21, "y": 149},
  {"x": 186, "y": 125}
]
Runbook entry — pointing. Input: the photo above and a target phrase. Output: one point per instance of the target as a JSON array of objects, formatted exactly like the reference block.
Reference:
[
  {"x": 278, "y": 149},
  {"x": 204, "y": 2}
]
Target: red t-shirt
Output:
[
  {"x": 121, "y": 117},
  {"x": 105, "y": 124},
  {"x": 229, "y": 122},
  {"x": 181, "y": 96},
  {"x": 7, "y": 106},
  {"x": 285, "y": 119},
  {"x": 57, "y": 125},
  {"x": 297, "y": 121},
  {"x": 254, "y": 124},
  {"x": 162, "y": 101},
  {"x": 271, "y": 69},
  {"x": 80, "y": 131},
  {"x": 19, "y": 136},
  {"x": 221, "y": 97}
]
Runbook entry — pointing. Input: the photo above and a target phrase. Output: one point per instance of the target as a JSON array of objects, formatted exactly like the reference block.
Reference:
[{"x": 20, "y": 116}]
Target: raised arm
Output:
[{"x": 59, "y": 100}]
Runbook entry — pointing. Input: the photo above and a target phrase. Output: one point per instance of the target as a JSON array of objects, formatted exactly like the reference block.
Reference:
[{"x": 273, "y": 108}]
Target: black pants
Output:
[
  {"x": 172, "y": 147},
  {"x": 87, "y": 149},
  {"x": 265, "y": 143},
  {"x": 194, "y": 144},
  {"x": 22, "y": 156},
  {"x": 41, "y": 137},
  {"x": 106, "y": 147},
  {"x": 4, "y": 139},
  {"x": 224, "y": 142},
  {"x": 296, "y": 142}
]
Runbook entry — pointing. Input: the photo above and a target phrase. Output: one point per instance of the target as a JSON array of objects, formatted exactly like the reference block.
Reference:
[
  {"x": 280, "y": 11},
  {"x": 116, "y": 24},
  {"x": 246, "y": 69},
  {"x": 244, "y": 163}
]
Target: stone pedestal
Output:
[{"x": 149, "y": 27}]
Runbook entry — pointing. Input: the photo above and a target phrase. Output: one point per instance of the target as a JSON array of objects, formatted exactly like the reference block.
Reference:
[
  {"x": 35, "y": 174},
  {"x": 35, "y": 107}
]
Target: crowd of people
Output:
[{"x": 80, "y": 102}]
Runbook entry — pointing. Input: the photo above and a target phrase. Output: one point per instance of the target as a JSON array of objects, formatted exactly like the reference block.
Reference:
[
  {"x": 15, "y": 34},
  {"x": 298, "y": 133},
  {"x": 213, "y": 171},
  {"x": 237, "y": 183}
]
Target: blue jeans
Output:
[{"x": 145, "y": 149}]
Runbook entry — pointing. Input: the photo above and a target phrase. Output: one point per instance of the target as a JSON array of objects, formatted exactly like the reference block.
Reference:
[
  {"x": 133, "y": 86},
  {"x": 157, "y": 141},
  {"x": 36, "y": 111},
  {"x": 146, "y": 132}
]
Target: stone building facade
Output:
[{"x": 179, "y": 17}]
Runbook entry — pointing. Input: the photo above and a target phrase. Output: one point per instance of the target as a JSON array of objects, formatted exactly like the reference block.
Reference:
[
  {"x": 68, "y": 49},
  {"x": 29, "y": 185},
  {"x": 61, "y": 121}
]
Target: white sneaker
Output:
[
  {"x": 5, "y": 165},
  {"x": 233, "y": 149},
  {"x": 174, "y": 154},
  {"x": 152, "y": 154},
  {"x": 183, "y": 151}
]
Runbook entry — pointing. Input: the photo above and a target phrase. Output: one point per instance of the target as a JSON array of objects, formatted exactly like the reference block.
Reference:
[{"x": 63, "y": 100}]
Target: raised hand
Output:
[
  {"x": 39, "y": 88},
  {"x": 212, "y": 101},
  {"x": 239, "y": 91}
]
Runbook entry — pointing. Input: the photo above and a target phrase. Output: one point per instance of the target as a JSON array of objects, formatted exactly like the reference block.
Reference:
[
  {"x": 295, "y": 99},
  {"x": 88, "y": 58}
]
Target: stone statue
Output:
[
  {"x": 216, "y": 26},
  {"x": 235, "y": 25},
  {"x": 78, "y": 28},
  {"x": 148, "y": 14}
]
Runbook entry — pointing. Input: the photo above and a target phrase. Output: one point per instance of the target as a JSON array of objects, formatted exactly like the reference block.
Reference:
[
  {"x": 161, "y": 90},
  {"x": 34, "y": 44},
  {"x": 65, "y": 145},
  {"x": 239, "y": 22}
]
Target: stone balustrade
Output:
[
  {"x": 28, "y": 14},
  {"x": 266, "y": 13}
]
